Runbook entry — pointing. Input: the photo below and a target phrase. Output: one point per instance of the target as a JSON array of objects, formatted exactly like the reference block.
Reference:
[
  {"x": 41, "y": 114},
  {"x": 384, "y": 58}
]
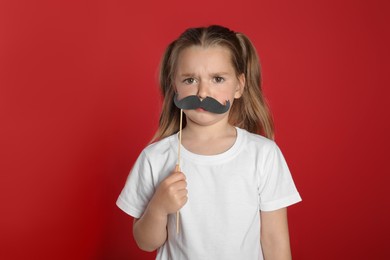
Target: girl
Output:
[{"x": 234, "y": 184}]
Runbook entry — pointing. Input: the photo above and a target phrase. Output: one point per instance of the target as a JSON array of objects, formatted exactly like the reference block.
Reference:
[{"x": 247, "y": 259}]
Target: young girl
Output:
[{"x": 233, "y": 185}]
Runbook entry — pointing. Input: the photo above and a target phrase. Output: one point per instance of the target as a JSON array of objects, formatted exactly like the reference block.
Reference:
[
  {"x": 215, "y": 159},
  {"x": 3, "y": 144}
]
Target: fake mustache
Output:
[{"x": 209, "y": 104}]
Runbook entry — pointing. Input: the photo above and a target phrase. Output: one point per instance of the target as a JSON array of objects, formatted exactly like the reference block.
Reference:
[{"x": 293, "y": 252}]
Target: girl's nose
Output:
[{"x": 202, "y": 90}]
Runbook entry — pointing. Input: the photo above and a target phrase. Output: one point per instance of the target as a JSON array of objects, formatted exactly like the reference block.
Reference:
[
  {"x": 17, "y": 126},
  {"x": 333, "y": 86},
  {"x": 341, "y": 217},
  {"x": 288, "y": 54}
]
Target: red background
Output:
[{"x": 79, "y": 100}]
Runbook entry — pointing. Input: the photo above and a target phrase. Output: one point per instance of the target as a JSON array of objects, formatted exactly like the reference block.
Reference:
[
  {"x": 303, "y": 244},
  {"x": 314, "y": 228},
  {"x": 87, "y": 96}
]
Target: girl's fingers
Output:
[
  {"x": 178, "y": 185},
  {"x": 182, "y": 193},
  {"x": 175, "y": 177}
]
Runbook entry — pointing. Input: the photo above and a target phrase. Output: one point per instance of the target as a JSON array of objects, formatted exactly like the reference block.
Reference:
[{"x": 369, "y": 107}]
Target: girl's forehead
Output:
[
  {"x": 211, "y": 57},
  {"x": 207, "y": 50}
]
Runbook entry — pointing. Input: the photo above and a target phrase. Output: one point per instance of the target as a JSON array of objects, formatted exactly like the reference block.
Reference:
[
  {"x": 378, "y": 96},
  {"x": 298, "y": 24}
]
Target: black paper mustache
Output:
[{"x": 209, "y": 104}]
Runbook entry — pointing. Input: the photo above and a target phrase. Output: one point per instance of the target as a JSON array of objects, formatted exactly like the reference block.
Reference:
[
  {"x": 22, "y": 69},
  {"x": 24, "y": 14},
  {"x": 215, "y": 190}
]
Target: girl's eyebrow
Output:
[
  {"x": 219, "y": 73},
  {"x": 187, "y": 75}
]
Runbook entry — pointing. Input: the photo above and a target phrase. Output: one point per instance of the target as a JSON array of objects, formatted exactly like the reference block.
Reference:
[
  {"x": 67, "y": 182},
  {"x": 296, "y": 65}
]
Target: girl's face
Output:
[{"x": 207, "y": 72}]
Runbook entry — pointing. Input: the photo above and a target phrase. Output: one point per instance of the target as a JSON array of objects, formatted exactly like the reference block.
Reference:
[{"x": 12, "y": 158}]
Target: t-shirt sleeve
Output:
[
  {"x": 139, "y": 188},
  {"x": 276, "y": 188}
]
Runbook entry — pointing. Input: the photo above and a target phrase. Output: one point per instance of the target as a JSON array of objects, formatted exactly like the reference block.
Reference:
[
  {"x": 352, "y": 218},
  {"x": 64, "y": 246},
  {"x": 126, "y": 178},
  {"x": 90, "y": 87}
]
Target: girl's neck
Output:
[{"x": 208, "y": 140}]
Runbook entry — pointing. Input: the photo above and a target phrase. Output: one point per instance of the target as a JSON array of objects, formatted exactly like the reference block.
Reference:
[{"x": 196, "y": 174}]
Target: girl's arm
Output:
[
  {"x": 150, "y": 231},
  {"x": 275, "y": 240}
]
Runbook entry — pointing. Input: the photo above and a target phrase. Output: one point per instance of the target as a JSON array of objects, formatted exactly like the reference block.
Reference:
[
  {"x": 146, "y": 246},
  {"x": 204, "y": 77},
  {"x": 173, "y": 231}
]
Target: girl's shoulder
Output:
[
  {"x": 259, "y": 146},
  {"x": 161, "y": 146},
  {"x": 256, "y": 140}
]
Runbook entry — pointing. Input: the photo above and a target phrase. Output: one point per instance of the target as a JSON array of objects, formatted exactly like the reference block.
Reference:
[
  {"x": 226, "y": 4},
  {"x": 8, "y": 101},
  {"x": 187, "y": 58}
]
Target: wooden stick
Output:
[
  {"x": 177, "y": 169},
  {"x": 178, "y": 166},
  {"x": 179, "y": 148}
]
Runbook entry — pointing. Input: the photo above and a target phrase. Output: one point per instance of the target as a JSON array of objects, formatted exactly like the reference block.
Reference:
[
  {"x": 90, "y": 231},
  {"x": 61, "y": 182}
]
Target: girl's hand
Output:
[{"x": 171, "y": 194}]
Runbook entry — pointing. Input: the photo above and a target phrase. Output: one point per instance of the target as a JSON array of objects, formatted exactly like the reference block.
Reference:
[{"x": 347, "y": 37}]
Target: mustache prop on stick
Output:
[
  {"x": 193, "y": 102},
  {"x": 209, "y": 104}
]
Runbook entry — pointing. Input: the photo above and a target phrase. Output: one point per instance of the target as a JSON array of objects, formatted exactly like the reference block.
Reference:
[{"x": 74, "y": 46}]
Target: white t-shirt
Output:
[{"x": 226, "y": 192}]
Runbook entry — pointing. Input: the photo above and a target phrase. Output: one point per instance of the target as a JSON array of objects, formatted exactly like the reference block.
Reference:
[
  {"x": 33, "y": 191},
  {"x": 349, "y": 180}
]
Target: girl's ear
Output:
[{"x": 240, "y": 86}]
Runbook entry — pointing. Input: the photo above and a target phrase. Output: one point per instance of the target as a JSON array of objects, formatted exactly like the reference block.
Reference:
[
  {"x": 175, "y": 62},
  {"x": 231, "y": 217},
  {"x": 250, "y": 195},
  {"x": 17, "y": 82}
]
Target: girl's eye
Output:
[
  {"x": 189, "y": 81},
  {"x": 218, "y": 79}
]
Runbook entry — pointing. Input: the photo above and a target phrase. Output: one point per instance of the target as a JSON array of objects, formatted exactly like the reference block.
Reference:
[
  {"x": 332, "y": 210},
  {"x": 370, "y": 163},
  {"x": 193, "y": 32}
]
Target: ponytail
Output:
[{"x": 252, "y": 112}]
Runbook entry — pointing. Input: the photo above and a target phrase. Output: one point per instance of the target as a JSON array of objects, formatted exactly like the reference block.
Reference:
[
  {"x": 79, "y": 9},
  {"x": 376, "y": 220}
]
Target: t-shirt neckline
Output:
[{"x": 209, "y": 159}]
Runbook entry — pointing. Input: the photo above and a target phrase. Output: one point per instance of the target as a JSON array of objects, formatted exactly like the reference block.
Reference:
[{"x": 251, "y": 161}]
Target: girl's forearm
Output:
[
  {"x": 276, "y": 250},
  {"x": 150, "y": 231},
  {"x": 275, "y": 240}
]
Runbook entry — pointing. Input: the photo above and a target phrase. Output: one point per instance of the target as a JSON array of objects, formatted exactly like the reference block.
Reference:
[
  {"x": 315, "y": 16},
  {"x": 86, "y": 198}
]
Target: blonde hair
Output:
[{"x": 249, "y": 112}]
